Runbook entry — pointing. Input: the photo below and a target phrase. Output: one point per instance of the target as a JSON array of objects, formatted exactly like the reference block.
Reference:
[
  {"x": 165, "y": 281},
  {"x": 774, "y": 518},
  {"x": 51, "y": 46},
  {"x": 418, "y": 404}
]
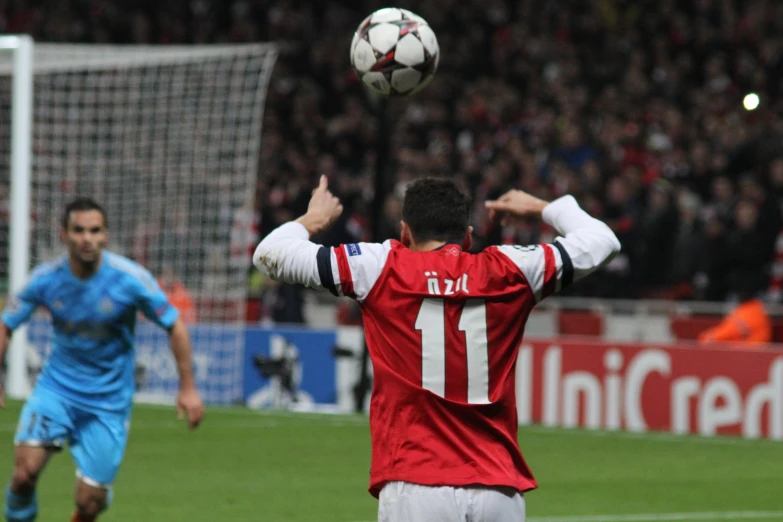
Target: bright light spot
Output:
[{"x": 751, "y": 101}]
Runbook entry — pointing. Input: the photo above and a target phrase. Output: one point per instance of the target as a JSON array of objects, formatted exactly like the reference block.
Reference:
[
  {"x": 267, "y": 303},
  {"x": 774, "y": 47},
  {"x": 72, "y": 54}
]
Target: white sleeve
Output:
[
  {"x": 586, "y": 245},
  {"x": 288, "y": 255}
]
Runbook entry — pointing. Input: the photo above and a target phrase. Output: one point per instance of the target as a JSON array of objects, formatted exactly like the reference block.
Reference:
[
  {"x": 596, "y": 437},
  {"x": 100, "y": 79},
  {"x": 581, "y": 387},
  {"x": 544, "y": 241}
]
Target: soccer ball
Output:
[{"x": 394, "y": 52}]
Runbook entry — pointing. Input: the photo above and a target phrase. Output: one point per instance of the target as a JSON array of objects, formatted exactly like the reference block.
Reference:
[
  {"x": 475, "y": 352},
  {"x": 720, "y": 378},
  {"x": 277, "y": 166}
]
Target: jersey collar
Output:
[{"x": 447, "y": 243}]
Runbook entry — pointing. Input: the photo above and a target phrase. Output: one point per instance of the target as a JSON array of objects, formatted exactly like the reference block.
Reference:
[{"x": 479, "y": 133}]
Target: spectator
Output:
[
  {"x": 178, "y": 295},
  {"x": 748, "y": 324},
  {"x": 655, "y": 245},
  {"x": 715, "y": 262},
  {"x": 688, "y": 247},
  {"x": 747, "y": 244}
]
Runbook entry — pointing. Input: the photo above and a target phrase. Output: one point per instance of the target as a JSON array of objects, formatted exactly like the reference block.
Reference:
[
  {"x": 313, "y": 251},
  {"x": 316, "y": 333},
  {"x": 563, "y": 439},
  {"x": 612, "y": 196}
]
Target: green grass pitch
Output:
[{"x": 281, "y": 467}]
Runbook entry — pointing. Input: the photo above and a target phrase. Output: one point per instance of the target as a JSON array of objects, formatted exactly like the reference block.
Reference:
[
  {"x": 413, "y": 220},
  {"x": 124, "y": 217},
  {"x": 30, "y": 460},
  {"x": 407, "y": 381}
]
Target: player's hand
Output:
[
  {"x": 323, "y": 210},
  {"x": 189, "y": 404},
  {"x": 515, "y": 203}
]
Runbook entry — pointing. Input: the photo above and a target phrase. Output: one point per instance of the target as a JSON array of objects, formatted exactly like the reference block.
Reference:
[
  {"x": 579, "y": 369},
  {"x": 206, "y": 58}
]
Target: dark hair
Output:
[
  {"x": 436, "y": 209},
  {"x": 81, "y": 205}
]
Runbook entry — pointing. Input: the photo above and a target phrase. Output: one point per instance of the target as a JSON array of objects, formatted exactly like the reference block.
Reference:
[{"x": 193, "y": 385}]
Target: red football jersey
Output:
[{"x": 444, "y": 329}]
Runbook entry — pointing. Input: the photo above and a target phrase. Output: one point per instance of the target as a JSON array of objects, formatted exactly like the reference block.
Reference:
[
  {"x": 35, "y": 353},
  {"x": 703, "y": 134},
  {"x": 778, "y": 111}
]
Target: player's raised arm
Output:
[
  {"x": 587, "y": 243},
  {"x": 288, "y": 255}
]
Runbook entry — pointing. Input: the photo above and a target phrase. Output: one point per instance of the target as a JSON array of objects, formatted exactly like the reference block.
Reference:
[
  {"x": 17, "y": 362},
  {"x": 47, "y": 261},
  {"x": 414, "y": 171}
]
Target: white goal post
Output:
[
  {"x": 21, "y": 49},
  {"x": 167, "y": 139}
]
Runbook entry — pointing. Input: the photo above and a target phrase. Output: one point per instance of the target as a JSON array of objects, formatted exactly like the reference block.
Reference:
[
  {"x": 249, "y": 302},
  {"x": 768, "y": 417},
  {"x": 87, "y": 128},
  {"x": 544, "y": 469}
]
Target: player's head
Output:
[
  {"x": 84, "y": 230},
  {"x": 435, "y": 209}
]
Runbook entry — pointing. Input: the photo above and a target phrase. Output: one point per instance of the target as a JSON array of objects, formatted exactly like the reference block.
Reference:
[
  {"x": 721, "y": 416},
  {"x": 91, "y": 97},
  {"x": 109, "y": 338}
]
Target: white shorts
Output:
[{"x": 405, "y": 502}]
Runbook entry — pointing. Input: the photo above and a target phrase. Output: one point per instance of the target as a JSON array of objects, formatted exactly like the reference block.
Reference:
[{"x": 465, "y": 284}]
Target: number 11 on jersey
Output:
[{"x": 431, "y": 322}]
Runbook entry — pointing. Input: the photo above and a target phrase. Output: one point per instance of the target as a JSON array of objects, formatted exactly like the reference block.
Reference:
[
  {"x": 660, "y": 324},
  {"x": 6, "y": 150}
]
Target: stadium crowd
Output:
[{"x": 635, "y": 107}]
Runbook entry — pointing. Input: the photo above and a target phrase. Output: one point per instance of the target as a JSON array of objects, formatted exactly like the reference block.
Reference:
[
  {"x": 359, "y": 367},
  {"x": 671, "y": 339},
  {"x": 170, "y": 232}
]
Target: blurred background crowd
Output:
[{"x": 634, "y": 107}]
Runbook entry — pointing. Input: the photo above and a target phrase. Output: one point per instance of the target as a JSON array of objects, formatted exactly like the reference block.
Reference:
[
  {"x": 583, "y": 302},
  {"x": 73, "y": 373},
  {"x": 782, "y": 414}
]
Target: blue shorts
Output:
[{"x": 97, "y": 440}]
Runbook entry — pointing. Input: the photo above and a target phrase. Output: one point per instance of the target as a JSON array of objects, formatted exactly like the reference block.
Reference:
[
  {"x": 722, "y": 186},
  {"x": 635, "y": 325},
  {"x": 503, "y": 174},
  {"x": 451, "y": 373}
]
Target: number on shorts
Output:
[{"x": 42, "y": 420}]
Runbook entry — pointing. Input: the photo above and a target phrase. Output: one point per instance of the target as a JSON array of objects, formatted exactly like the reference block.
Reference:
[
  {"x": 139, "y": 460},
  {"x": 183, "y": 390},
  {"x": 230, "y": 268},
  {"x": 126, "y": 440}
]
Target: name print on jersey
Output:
[{"x": 449, "y": 286}]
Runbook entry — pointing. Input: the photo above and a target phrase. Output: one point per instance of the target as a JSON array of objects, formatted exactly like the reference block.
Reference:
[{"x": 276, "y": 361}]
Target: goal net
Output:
[{"x": 167, "y": 139}]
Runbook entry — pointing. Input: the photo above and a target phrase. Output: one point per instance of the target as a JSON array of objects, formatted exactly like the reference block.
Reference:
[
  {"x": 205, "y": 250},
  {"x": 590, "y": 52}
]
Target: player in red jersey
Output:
[{"x": 443, "y": 328}]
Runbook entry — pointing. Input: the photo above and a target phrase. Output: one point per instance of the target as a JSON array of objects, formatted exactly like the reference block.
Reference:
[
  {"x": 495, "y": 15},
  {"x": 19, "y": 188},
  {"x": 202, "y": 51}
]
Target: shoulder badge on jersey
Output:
[{"x": 353, "y": 249}]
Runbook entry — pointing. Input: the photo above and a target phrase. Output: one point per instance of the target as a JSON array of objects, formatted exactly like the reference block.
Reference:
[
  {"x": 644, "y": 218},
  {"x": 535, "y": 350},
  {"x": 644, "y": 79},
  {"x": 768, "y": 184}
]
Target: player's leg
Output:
[
  {"x": 43, "y": 427},
  {"x": 21, "y": 504},
  {"x": 98, "y": 447},
  {"x": 496, "y": 505},
  {"x": 90, "y": 501},
  {"x": 406, "y": 502}
]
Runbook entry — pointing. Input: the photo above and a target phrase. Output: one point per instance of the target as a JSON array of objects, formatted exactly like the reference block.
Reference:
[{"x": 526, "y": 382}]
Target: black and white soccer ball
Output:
[{"x": 395, "y": 52}]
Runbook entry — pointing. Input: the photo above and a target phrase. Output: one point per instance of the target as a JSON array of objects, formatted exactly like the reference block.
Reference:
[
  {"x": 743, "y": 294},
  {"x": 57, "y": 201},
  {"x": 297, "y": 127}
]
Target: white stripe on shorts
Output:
[
  {"x": 91, "y": 482},
  {"x": 56, "y": 444}
]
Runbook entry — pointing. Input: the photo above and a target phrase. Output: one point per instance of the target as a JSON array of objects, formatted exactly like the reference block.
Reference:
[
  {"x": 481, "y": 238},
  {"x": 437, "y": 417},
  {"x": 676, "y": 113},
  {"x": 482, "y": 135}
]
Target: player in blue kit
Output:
[{"x": 84, "y": 392}]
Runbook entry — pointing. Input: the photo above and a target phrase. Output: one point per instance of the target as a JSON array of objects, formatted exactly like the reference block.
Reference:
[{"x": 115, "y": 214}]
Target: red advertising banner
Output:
[{"x": 681, "y": 389}]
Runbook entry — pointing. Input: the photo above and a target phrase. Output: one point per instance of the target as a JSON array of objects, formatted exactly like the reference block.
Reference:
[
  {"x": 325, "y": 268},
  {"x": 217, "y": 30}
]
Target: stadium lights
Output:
[{"x": 751, "y": 101}]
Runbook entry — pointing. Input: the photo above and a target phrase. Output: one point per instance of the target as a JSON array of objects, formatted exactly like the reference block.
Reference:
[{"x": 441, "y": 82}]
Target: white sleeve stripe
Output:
[
  {"x": 541, "y": 265},
  {"x": 345, "y": 270},
  {"x": 359, "y": 266},
  {"x": 557, "y": 276}
]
